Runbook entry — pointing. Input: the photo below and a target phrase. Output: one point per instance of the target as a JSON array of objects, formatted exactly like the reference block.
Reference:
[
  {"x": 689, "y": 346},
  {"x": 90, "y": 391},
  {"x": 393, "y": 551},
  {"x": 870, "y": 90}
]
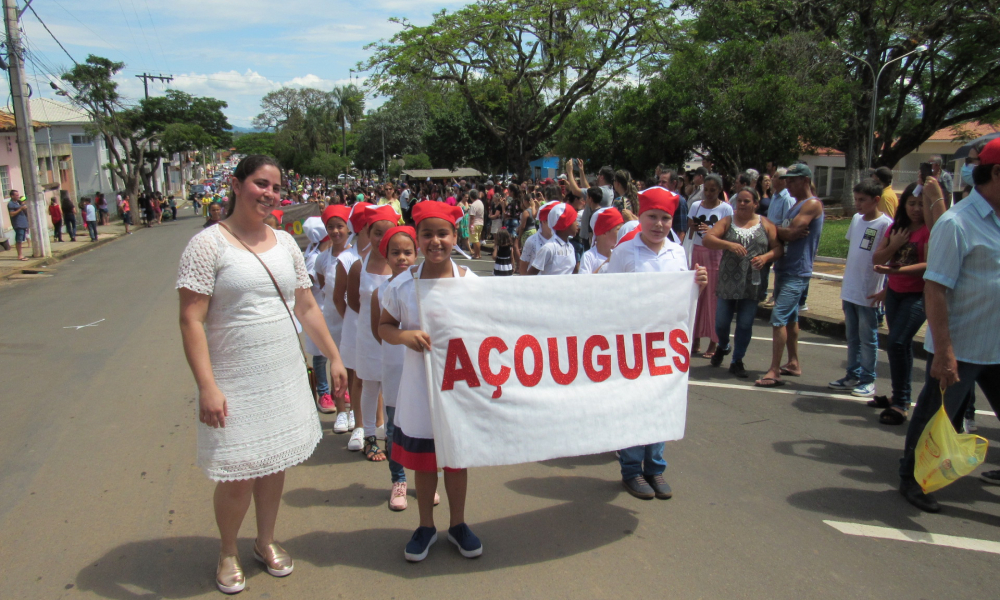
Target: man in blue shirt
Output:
[
  {"x": 18, "y": 210},
  {"x": 962, "y": 285}
]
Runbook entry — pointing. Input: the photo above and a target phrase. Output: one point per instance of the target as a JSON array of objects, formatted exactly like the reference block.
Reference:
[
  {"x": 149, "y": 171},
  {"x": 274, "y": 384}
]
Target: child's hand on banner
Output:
[
  {"x": 701, "y": 276},
  {"x": 415, "y": 340}
]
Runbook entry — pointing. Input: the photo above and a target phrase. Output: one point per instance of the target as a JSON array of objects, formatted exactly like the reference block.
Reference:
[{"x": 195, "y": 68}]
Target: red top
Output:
[
  {"x": 913, "y": 252},
  {"x": 55, "y": 212}
]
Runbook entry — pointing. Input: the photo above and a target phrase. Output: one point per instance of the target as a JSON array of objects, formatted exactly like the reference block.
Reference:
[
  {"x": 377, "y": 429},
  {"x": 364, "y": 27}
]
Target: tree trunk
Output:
[{"x": 853, "y": 157}]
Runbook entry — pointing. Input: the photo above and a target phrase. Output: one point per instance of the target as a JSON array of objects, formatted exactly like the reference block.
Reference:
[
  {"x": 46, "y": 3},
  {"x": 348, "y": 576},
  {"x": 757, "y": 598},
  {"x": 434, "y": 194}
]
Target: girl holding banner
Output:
[
  {"x": 413, "y": 438},
  {"x": 642, "y": 467}
]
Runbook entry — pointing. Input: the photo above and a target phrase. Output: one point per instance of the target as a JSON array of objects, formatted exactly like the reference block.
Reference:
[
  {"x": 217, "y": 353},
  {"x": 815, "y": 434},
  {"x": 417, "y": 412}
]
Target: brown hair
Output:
[{"x": 247, "y": 167}]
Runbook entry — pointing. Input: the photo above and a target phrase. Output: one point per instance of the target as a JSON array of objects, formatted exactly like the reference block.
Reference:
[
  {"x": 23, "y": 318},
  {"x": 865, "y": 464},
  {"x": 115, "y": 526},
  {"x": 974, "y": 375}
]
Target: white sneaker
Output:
[
  {"x": 357, "y": 440},
  {"x": 970, "y": 425},
  {"x": 380, "y": 433},
  {"x": 350, "y": 418},
  {"x": 342, "y": 424},
  {"x": 843, "y": 384}
]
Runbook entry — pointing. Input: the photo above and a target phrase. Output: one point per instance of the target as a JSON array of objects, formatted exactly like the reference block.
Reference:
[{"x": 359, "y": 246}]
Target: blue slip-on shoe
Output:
[
  {"x": 466, "y": 541},
  {"x": 420, "y": 543},
  {"x": 843, "y": 384}
]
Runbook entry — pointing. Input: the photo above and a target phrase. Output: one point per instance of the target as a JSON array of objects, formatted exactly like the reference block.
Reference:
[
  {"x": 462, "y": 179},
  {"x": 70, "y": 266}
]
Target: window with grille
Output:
[
  {"x": 81, "y": 140},
  {"x": 5, "y": 180}
]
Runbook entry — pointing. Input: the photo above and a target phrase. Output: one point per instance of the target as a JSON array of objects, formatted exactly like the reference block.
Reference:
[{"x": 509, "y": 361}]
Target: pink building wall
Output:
[{"x": 10, "y": 158}]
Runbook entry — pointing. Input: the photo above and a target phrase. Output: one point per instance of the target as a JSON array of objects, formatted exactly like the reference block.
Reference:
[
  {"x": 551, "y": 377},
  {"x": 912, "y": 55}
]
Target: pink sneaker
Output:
[
  {"x": 326, "y": 405},
  {"x": 397, "y": 500}
]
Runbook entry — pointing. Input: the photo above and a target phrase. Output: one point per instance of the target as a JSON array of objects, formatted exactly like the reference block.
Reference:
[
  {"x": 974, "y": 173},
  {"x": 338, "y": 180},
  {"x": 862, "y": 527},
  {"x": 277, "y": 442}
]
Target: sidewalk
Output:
[
  {"x": 11, "y": 268},
  {"x": 825, "y": 314}
]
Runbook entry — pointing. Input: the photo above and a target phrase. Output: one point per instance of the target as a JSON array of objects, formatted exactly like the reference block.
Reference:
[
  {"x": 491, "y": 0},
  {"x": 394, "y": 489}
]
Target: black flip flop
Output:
[
  {"x": 891, "y": 416},
  {"x": 774, "y": 382},
  {"x": 880, "y": 402}
]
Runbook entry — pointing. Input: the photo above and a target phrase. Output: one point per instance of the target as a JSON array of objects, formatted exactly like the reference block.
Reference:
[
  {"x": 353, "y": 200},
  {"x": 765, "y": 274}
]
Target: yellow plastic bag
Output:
[{"x": 943, "y": 455}]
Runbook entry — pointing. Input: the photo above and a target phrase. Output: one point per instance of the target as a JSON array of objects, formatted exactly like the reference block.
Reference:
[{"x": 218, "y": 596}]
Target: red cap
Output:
[
  {"x": 278, "y": 214},
  {"x": 380, "y": 213},
  {"x": 658, "y": 198},
  {"x": 336, "y": 210},
  {"x": 383, "y": 246},
  {"x": 356, "y": 218},
  {"x": 543, "y": 212},
  {"x": 990, "y": 154},
  {"x": 605, "y": 219},
  {"x": 436, "y": 210},
  {"x": 561, "y": 216}
]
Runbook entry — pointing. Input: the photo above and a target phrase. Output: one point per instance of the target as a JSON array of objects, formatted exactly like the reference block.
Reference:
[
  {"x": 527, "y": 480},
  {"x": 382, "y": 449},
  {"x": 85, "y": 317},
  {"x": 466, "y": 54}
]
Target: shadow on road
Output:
[
  {"x": 332, "y": 450},
  {"x": 356, "y": 494},
  {"x": 543, "y": 535},
  {"x": 167, "y": 568},
  {"x": 184, "y": 567},
  {"x": 588, "y": 460}
]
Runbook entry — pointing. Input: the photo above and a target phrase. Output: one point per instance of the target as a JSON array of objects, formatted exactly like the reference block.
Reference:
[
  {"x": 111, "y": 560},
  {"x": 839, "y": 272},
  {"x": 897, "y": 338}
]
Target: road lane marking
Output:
[
  {"x": 764, "y": 339},
  {"x": 79, "y": 327},
  {"x": 801, "y": 393},
  {"x": 919, "y": 537}
]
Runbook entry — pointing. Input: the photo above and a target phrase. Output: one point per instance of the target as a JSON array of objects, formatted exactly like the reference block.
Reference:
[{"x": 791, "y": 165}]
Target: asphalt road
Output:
[{"x": 100, "y": 497}]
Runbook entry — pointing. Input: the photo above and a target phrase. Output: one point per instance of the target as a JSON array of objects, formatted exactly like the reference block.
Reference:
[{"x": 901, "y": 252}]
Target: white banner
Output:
[{"x": 523, "y": 369}]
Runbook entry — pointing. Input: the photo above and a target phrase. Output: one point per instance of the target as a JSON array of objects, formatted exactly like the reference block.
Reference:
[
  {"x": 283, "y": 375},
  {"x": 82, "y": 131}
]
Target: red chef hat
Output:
[
  {"x": 278, "y": 214},
  {"x": 380, "y": 213},
  {"x": 383, "y": 247},
  {"x": 605, "y": 219},
  {"x": 436, "y": 210},
  {"x": 543, "y": 212},
  {"x": 561, "y": 216},
  {"x": 658, "y": 198},
  {"x": 356, "y": 219},
  {"x": 336, "y": 210}
]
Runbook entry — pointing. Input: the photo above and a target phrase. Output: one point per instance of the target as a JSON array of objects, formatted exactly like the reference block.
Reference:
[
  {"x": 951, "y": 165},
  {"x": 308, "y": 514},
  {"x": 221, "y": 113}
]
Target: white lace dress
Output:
[{"x": 272, "y": 422}]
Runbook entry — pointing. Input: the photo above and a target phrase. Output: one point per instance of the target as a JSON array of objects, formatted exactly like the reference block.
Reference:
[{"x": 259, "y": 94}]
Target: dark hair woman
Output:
[{"x": 238, "y": 284}]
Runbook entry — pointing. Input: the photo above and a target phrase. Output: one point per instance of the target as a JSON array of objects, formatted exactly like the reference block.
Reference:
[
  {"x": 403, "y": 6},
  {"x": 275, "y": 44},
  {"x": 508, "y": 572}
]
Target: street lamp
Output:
[{"x": 871, "y": 130}]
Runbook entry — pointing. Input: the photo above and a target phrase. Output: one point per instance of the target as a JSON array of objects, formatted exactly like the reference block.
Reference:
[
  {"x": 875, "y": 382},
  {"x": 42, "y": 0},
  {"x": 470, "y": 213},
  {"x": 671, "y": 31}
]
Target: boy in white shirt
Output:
[
  {"x": 651, "y": 250},
  {"x": 605, "y": 224},
  {"x": 537, "y": 240},
  {"x": 558, "y": 256},
  {"x": 861, "y": 285}
]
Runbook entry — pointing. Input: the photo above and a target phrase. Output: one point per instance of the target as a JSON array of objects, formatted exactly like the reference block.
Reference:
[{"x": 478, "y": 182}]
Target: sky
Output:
[{"x": 233, "y": 50}]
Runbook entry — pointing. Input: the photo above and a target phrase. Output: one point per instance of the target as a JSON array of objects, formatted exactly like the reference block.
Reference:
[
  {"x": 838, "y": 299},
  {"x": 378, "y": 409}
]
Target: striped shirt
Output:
[{"x": 964, "y": 256}]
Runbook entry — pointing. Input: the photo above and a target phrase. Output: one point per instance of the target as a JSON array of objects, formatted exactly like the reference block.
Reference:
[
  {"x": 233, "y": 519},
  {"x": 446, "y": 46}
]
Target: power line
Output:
[
  {"x": 135, "y": 42},
  {"x": 97, "y": 35},
  {"x": 32, "y": 8},
  {"x": 156, "y": 31},
  {"x": 142, "y": 30}
]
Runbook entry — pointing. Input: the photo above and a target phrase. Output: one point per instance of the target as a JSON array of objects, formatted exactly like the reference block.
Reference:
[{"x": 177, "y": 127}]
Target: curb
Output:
[
  {"x": 51, "y": 260},
  {"x": 836, "y": 328}
]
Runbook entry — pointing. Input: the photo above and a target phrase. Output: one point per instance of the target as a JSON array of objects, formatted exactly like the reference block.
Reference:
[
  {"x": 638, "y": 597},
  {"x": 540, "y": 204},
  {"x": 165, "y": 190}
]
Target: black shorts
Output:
[{"x": 127, "y": 217}]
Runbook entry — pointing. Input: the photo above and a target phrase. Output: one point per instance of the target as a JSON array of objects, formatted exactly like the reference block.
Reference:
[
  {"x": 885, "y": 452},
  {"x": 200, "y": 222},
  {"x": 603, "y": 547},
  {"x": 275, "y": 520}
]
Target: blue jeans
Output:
[
  {"x": 956, "y": 400},
  {"x": 70, "y": 222},
  {"x": 862, "y": 341},
  {"x": 745, "y": 310},
  {"x": 642, "y": 460},
  {"x": 92, "y": 230},
  {"x": 396, "y": 470},
  {"x": 905, "y": 313},
  {"x": 322, "y": 381}
]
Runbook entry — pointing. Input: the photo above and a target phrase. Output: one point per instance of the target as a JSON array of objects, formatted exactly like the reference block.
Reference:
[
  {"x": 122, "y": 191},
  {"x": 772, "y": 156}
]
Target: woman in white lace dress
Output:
[{"x": 255, "y": 404}]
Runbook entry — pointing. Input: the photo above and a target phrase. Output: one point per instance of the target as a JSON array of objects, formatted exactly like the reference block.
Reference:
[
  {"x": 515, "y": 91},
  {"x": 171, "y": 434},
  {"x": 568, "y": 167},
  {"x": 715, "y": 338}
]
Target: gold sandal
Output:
[
  {"x": 275, "y": 558},
  {"x": 229, "y": 575}
]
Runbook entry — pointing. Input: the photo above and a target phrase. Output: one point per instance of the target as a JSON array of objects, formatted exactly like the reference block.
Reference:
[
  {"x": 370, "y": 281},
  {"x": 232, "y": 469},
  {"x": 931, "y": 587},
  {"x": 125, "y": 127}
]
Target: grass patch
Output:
[{"x": 832, "y": 242}]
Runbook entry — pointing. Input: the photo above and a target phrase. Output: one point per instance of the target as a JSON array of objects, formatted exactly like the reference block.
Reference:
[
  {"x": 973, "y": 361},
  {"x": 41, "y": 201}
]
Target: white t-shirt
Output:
[
  {"x": 634, "y": 256},
  {"x": 532, "y": 245},
  {"x": 476, "y": 212},
  {"x": 91, "y": 213},
  {"x": 860, "y": 278},
  {"x": 591, "y": 261},
  {"x": 712, "y": 216},
  {"x": 556, "y": 257}
]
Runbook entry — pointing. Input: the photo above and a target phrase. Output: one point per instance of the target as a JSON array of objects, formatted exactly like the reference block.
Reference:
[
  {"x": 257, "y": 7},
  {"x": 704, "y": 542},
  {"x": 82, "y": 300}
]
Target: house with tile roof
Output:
[
  {"x": 828, "y": 169},
  {"x": 68, "y": 153}
]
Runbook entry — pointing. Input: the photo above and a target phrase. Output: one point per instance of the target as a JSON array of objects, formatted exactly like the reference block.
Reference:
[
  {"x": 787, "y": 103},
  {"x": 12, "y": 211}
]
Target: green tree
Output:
[
  {"x": 955, "y": 80},
  {"x": 522, "y": 65},
  {"x": 261, "y": 142},
  {"x": 398, "y": 125}
]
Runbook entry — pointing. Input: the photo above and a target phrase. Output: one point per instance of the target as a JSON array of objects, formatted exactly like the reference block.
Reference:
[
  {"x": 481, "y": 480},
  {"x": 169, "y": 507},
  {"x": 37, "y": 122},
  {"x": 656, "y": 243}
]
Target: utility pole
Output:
[
  {"x": 145, "y": 77},
  {"x": 37, "y": 214}
]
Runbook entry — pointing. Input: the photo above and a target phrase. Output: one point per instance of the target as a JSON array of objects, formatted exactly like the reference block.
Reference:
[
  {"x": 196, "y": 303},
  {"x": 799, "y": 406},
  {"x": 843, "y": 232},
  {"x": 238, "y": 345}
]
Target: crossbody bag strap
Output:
[{"x": 274, "y": 281}]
